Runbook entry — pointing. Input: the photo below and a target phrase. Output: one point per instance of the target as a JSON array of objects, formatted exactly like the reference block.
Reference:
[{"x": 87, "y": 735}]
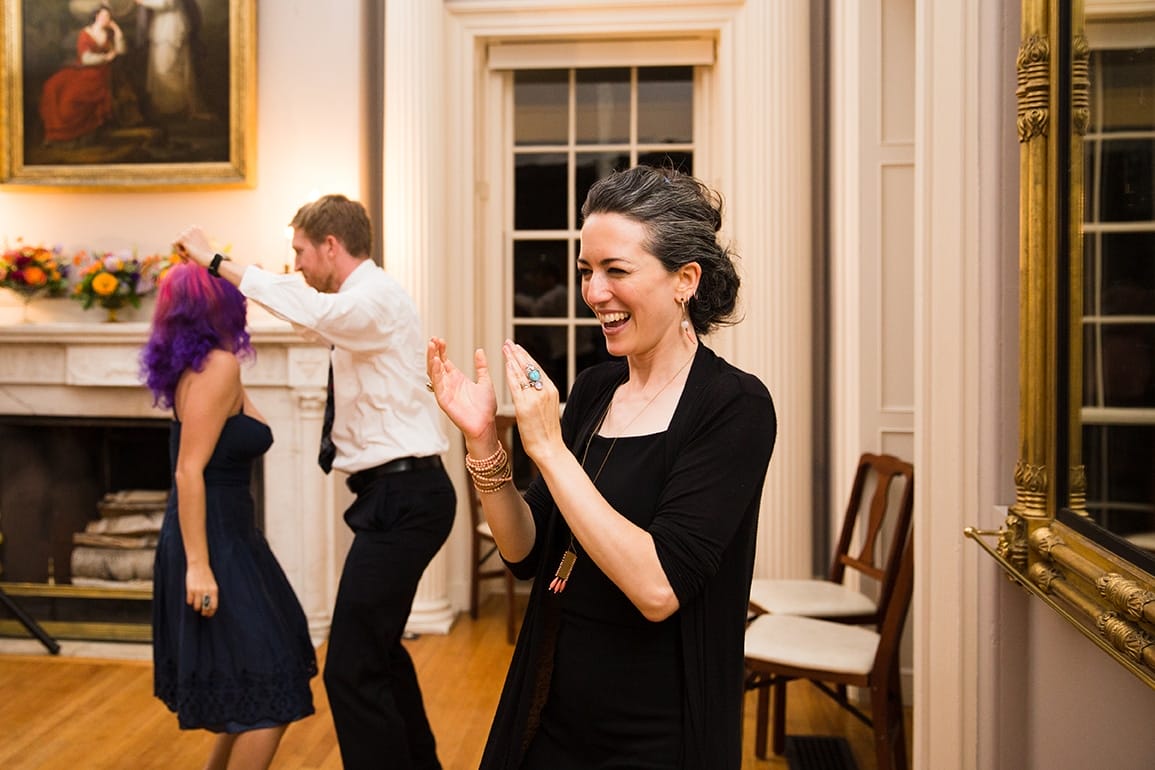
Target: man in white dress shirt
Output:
[{"x": 386, "y": 433}]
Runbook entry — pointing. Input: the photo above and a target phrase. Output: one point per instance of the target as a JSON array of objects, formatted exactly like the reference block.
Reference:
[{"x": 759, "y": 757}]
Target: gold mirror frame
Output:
[{"x": 1047, "y": 544}]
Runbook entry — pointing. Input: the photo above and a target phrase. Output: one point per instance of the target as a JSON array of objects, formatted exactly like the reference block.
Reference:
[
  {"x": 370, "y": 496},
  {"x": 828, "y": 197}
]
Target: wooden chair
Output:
[
  {"x": 780, "y": 648},
  {"x": 487, "y": 564},
  {"x": 830, "y": 597}
]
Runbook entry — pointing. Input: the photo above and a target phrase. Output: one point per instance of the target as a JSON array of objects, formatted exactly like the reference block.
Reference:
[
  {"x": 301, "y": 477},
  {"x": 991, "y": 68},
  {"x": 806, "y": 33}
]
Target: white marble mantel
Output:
[{"x": 86, "y": 367}]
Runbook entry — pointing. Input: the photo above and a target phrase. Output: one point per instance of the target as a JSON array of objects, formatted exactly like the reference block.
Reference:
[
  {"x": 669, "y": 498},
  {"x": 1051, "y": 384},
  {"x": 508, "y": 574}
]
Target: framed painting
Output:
[{"x": 127, "y": 94}]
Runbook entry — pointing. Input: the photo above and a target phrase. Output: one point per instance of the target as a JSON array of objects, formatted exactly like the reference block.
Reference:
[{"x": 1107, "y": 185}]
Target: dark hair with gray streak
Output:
[{"x": 682, "y": 217}]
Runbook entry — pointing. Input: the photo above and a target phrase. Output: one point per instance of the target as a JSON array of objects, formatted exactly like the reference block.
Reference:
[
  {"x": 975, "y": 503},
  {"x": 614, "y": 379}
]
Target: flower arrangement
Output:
[
  {"x": 115, "y": 279},
  {"x": 32, "y": 270}
]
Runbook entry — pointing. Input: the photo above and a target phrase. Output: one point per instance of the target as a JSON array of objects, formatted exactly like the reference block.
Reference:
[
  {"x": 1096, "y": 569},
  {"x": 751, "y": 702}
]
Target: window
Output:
[
  {"x": 1119, "y": 290},
  {"x": 570, "y": 127}
]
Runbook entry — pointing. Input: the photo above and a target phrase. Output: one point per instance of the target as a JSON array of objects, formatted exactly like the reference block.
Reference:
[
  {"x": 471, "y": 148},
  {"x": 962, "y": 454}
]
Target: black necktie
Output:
[{"x": 328, "y": 451}]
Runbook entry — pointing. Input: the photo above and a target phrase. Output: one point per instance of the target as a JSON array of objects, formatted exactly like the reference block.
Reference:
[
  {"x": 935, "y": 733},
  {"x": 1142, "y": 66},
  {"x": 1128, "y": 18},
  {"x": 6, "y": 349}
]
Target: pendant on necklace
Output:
[{"x": 557, "y": 585}]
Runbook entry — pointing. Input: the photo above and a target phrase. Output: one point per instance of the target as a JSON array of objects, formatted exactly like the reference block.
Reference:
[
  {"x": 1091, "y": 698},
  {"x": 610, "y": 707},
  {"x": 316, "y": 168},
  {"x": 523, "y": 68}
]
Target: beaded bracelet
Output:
[
  {"x": 491, "y": 473},
  {"x": 495, "y": 460}
]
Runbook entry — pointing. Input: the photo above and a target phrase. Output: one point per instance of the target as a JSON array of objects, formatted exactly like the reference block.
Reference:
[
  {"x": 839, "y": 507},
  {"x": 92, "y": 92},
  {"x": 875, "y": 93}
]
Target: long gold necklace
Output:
[{"x": 569, "y": 558}]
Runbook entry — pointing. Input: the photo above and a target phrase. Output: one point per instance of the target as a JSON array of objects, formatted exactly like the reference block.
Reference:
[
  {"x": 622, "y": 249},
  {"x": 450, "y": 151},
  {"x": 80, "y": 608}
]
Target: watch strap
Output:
[{"x": 215, "y": 265}]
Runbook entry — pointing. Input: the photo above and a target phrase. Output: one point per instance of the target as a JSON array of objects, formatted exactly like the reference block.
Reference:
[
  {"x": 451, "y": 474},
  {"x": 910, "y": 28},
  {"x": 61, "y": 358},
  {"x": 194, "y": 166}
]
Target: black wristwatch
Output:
[{"x": 215, "y": 265}]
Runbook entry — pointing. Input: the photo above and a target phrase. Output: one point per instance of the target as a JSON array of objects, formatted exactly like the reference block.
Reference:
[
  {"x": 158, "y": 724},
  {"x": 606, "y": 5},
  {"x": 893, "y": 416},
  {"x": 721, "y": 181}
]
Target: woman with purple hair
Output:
[{"x": 231, "y": 647}]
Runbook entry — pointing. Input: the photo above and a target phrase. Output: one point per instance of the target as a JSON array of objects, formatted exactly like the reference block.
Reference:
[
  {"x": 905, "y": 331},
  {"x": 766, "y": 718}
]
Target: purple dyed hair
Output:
[{"x": 195, "y": 315}]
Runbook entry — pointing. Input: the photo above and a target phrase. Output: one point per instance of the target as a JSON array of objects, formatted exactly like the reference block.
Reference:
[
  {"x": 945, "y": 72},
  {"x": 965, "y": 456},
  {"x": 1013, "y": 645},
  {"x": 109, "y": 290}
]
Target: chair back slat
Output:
[{"x": 882, "y": 518}]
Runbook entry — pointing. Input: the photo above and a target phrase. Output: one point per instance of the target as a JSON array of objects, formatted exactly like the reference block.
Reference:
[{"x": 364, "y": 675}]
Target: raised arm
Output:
[
  {"x": 624, "y": 551},
  {"x": 472, "y": 406}
]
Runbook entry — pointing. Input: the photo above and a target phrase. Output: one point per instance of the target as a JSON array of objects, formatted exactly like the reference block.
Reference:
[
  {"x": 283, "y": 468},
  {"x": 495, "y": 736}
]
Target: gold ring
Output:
[{"x": 429, "y": 386}]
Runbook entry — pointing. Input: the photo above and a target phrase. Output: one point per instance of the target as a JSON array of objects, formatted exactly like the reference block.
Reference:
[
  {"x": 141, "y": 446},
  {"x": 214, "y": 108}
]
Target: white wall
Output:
[{"x": 310, "y": 141}]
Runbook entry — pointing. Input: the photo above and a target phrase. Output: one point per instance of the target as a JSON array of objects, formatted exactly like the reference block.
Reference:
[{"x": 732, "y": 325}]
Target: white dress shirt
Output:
[{"x": 382, "y": 409}]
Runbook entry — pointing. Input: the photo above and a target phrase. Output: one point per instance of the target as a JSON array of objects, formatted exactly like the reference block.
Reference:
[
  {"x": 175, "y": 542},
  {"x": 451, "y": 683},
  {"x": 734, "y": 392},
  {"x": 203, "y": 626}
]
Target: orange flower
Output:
[
  {"x": 34, "y": 276},
  {"x": 104, "y": 284}
]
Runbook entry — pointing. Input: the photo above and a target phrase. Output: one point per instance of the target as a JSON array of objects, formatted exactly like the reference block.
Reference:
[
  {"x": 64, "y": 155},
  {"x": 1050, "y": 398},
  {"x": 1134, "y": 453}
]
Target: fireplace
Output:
[
  {"x": 57, "y": 470},
  {"x": 76, "y": 427}
]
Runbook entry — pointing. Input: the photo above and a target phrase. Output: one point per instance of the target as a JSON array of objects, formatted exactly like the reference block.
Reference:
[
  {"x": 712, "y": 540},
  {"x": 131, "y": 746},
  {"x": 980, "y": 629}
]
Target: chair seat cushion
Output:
[
  {"x": 813, "y": 598},
  {"x": 484, "y": 530},
  {"x": 811, "y": 643}
]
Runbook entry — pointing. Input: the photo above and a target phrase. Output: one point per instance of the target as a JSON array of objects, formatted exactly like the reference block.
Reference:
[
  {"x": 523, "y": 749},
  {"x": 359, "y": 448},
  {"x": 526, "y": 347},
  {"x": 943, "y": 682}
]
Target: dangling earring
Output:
[{"x": 686, "y": 327}]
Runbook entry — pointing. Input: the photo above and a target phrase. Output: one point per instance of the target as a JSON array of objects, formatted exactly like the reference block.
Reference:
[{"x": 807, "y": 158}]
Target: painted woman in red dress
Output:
[{"x": 78, "y": 99}]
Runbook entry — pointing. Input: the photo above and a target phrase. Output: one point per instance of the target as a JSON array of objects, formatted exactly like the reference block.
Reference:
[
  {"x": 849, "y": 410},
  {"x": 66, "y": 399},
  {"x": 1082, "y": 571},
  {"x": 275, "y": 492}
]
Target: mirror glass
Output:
[{"x": 1112, "y": 290}]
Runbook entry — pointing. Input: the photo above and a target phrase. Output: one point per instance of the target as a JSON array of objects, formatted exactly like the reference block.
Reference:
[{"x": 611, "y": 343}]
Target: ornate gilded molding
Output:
[
  {"x": 1012, "y": 544},
  {"x": 1129, "y": 605},
  {"x": 1126, "y": 638},
  {"x": 1030, "y": 488},
  {"x": 1044, "y": 577},
  {"x": 1129, "y": 597},
  {"x": 1034, "y": 83},
  {"x": 1077, "y": 495},
  {"x": 1080, "y": 85}
]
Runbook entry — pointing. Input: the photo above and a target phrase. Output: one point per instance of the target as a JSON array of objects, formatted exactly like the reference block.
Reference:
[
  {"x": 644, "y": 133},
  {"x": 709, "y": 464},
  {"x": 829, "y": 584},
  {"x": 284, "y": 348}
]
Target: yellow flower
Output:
[{"x": 104, "y": 284}]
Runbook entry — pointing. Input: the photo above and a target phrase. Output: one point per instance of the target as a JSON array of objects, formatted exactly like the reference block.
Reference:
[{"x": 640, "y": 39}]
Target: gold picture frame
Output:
[
  {"x": 157, "y": 99},
  {"x": 1048, "y": 543}
]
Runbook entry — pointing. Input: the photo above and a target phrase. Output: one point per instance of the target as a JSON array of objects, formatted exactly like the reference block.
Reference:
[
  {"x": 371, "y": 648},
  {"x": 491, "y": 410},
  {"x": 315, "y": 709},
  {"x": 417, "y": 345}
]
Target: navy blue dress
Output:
[{"x": 249, "y": 665}]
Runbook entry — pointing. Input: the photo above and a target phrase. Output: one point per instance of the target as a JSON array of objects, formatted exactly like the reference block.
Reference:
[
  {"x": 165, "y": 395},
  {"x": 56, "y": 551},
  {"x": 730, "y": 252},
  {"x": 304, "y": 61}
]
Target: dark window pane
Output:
[
  {"x": 1090, "y": 275},
  {"x": 1091, "y": 396},
  {"x": 590, "y": 347},
  {"x": 603, "y": 106},
  {"x": 547, "y": 346},
  {"x": 1090, "y": 170},
  {"x": 1121, "y": 476},
  {"x": 679, "y": 161},
  {"x": 1127, "y": 177},
  {"x": 540, "y": 107},
  {"x": 1127, "y": 79},
  {"x": 539, "y": 273},
  {"x": 539, "y": 192},
  {"x": 581, "y": 309},
  {"x": 1128, "y": 364},
  {"x": 665, "y": 104},
  {"x": 1128, "y": 274},
  {"x": 592, "y": 166}
]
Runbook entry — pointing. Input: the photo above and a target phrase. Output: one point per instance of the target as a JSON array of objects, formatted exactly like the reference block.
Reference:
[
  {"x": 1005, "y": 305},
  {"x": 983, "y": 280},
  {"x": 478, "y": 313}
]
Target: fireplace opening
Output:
[{"x": 81, "y": 501}]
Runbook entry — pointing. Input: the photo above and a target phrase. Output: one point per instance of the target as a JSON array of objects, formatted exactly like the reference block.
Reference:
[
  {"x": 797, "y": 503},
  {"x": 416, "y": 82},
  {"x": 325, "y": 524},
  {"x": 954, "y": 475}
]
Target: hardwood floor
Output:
[{"x": 65, "y": 713}]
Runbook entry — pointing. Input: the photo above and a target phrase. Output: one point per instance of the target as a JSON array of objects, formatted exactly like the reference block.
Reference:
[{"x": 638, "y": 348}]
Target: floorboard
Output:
[{"x": 89, "y": 713}]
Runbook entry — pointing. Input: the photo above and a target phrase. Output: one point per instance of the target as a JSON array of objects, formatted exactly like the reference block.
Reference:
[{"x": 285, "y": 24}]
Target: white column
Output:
[
  {"x": 770, "y": 213},
  {"x": 288, "y": 385},
  {"x": 952, "y": 203},
  {"x": 414, "y": 210},
  {"x": 317, "y": 570}
]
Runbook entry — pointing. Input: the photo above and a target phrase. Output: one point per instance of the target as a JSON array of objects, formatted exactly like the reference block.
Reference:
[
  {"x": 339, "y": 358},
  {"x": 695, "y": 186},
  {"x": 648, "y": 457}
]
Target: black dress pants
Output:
[{"x": 399, "y": 524}]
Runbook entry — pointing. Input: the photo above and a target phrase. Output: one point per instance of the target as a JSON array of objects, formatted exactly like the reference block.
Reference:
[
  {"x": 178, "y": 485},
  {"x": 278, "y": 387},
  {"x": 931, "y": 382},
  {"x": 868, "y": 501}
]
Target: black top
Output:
[
  {"x": 700, "y": 504},
  {"x": 615, "y": 698}
]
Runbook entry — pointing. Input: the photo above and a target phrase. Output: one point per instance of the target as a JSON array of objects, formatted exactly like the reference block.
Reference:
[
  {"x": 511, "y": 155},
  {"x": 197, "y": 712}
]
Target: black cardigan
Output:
[{"x": 719, "y": 444}]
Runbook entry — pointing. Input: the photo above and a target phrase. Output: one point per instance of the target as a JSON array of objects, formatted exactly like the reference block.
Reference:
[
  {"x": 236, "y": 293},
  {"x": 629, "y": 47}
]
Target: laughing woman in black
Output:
[{"x": 640, "y": 529}]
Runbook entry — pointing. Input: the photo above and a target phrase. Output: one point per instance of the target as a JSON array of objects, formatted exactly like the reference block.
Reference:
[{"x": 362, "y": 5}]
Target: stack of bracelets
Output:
[{"x": 492, "y": 473}]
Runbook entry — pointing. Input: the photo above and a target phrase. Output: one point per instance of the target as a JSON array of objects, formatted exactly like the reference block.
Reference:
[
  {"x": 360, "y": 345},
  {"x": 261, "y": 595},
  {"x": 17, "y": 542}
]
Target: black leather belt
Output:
[{"x": 361, "y": 480}]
